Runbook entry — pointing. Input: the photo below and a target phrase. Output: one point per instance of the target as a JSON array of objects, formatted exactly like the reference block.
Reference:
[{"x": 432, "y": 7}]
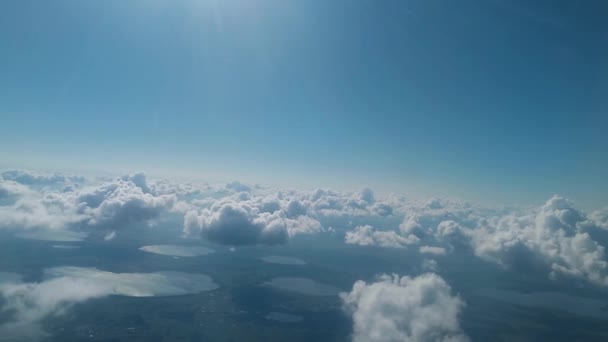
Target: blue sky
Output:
[{"x": 497, "y": 101}]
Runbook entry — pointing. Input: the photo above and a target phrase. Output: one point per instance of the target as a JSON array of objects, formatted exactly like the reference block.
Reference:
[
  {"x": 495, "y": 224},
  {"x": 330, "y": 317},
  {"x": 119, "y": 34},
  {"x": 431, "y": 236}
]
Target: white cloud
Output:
[
  {"x": 160, "y": 186},
  {"x": 236, "y": 221},
  {"x": 600, "y": 217},
  {"x": 236, "y": 224},
  {"x": 255, "y": 214},
  {"x": 555, "y": 234},
  {"x": 121, "y": 202},
  {"x": 324, "y": 202},
  {"x": 113, "y": 204},
  {"x": 368, "y": 236},
  {"x": 404, "y": 309}
]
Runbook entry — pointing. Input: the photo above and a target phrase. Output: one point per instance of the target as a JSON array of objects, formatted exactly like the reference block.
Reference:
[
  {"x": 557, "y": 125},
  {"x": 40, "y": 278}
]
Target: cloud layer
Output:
[{"x": 554, "y": 239}]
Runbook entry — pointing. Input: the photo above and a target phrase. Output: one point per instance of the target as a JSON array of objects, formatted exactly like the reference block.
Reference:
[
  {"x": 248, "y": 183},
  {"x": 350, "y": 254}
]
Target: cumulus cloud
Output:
[
  {"x": 368, "y": 236},
  {"x": 243, "y": 223},
  {"x": 27, "y": 304},
  {"x": 600, "y": 217},
  {"x": 404, "y": 309},
  {"x": 234, "y": 217},
  {"x": 121, "y": 202},
  {"x": 112, "y": 204},
  {"x": 430, "y": 219},
  {"x": 161, "y": 186},
  {"x": 234, "y": 224},
  {"x": 443, "y": 224},
  {"x": 554, "y": 238},
  {"x": 325, "y": 202},
  {"x": 268, "y": 216},
  {"x": 556, "y": 234}
]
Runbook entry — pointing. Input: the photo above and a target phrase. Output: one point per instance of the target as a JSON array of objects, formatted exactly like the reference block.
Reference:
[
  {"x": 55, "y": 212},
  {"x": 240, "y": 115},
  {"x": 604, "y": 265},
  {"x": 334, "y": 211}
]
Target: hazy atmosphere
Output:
[{"x": 270, "y": 170}]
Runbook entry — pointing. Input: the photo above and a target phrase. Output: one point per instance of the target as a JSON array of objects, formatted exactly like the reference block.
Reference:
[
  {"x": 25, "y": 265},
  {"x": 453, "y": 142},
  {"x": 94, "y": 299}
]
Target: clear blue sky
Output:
[{"x": 493, "y": 100}]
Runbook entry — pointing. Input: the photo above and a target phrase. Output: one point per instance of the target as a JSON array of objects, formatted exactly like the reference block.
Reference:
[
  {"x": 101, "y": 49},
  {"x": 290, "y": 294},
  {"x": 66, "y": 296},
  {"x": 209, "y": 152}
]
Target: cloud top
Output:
[{"x": 397, "y": 308}]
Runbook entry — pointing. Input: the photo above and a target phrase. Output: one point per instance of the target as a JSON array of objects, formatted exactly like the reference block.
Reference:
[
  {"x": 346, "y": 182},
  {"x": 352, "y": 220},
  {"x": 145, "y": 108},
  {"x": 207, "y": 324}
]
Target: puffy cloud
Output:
[
  {"x": 554, "y": 237},
  {"x": 139, "y": 179},
  {"x": 368, "y": 236},
  {"x": 404, "y": 309},
  {"x": 382, "y": 209},
  {"x": 242, "y": 223},
  {"x": 162, "y": 186},
  {"x": 442, "y": 223},
  {"x": 122, "y": 202},
  {"x": 260, "y": 216},
  {"x": 329, "y": 203},
  {"x": 27, "y": 304},
  {"x": 436, "y": 222},
  {"x": 113, "y": 204},
  {"x": 600, "y": 217},
  {"x": 556, "y": 234},
  {"x": 266, "y": 216},
  {"x": 295, "y": 208},
  {"x": 423, "y": 219},
  {"x": 234, "y": 224}
]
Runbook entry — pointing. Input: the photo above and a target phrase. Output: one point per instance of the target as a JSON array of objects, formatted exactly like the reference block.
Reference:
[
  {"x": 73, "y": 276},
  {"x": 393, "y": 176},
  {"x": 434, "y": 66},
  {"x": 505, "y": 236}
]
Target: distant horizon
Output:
[{"x": 200, "y": 178}]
